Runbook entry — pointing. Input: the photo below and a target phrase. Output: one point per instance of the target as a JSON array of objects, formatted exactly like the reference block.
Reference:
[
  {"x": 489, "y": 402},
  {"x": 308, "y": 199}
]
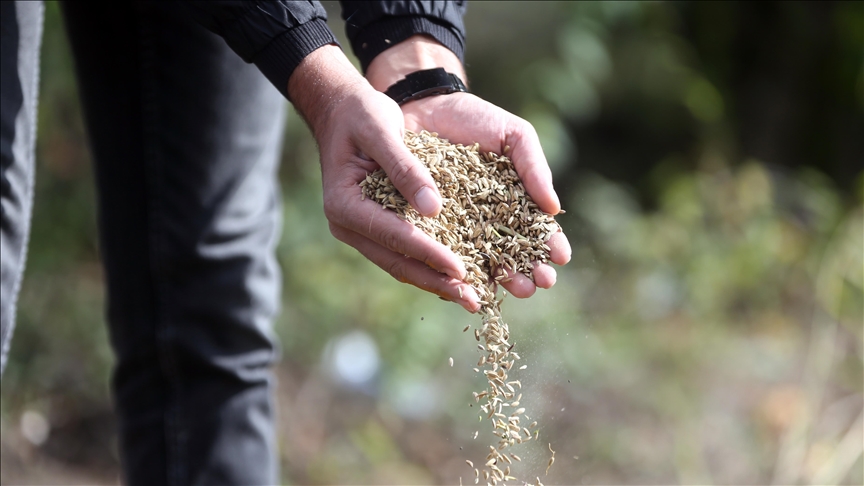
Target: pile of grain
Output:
[{"x": 490, "y": 221}]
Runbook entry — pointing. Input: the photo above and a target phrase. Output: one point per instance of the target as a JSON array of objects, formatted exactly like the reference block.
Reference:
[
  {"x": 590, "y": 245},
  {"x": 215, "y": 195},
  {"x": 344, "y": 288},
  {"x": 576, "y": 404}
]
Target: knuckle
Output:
[
  {"x": 522, "y": 128},
  {"x": 337, "y": 232},
  {"x": 397, "y": 269},
  {"x": 526, "y": 127},
  {"x": 332, "y": 209},
  {"x": 403, "y": 174},
  {"x": 391, "y": 240}
]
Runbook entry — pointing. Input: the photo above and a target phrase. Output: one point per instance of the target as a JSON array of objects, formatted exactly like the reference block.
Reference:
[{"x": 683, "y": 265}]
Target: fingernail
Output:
[
  {"x": 427, "y": 202},
  {"x": 469, "y": 294},
  {"x": 470, "y": 301}
]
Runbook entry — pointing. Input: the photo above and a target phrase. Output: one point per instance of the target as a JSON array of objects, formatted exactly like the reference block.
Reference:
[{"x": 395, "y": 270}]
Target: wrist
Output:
[
  {"x": 320, "y": 83},
  {"x": 417, "y": 53}
]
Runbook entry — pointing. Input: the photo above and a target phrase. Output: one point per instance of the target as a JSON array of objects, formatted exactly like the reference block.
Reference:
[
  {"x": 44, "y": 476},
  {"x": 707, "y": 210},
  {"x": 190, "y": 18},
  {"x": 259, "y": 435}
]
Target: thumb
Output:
[{"x": 413, "y": 180}]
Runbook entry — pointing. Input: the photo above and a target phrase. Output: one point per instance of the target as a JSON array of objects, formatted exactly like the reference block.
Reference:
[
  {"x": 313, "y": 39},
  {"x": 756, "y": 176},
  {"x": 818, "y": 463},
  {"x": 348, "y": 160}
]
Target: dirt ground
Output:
[{"x": 23, "y": 464}]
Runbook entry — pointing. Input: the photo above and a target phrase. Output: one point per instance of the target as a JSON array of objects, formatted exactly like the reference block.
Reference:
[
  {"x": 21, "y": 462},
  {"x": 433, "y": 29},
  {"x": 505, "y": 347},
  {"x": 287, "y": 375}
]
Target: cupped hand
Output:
[
  {"x": 359, "y": 129},
  {"x": 466, "y": 119}
]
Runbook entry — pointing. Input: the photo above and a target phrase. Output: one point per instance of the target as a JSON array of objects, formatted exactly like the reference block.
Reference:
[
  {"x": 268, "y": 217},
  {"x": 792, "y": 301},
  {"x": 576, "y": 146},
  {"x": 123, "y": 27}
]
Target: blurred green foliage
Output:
[{"x": 708, "y": 329}]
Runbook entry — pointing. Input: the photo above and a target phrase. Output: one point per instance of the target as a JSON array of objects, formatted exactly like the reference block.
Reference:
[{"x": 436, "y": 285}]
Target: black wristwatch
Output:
[{"x": 421, "y": 84}]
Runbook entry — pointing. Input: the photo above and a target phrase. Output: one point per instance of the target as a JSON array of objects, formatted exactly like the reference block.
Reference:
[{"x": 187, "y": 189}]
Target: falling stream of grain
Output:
[{"x": 490, "y": 221}]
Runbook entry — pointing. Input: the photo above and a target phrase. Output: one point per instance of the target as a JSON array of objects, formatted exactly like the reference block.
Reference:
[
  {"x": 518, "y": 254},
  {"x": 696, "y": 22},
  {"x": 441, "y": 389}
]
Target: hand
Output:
[
  {"x": 466, "y": 119},
  {"x": 357, "y": 129}
]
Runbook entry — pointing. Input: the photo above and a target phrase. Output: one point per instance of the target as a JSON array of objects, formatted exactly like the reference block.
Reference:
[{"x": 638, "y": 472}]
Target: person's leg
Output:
[
  {"x": 20, "y": 39},
  {"x": 186, "y": 139}
]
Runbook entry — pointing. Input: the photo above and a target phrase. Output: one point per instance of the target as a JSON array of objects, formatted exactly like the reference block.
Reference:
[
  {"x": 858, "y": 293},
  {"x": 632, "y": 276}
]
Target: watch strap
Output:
[{"x": 428, "y": 82}]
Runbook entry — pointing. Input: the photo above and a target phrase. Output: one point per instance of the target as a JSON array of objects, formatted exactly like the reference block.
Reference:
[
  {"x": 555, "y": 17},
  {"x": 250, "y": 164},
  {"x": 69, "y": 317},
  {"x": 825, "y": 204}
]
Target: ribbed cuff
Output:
[
  {"x": 282, "y": 56},
  {"x": 379, "y": 36}
]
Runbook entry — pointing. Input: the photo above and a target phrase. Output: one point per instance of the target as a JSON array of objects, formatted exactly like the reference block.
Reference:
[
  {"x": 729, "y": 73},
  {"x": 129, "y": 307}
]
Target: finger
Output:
[
  {"x": 464, "y": 118},
  {"x": 559, "y": 248},
  {"x": 409, "y": 270},
  {"x": 530, "y": 162},
  {"x": 382, "y": 226},
  {"x": 544, "y": 276},
  {"x": 518, "y": 285},
  {"x": 387, "y": 147}
]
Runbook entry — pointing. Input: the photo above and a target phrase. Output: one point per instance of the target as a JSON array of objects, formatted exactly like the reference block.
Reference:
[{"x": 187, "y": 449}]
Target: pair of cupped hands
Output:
[{"x": 359, "y": 129}]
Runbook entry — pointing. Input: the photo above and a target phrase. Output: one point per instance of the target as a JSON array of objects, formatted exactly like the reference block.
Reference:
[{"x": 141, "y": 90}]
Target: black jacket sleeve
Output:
[
  {"x": 275, "y": 35},
  {"x": 373, "y": 26}
]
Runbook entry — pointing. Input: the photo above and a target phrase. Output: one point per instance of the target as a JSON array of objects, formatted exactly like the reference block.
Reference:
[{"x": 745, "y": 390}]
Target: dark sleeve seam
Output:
[
  {"x": 278, "y": 60},
  {"x": 378, "y": 36}
]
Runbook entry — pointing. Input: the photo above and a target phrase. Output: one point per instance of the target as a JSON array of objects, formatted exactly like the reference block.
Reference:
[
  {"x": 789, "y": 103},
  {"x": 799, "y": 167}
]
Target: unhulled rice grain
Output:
[{"x": 490, "y": 221}]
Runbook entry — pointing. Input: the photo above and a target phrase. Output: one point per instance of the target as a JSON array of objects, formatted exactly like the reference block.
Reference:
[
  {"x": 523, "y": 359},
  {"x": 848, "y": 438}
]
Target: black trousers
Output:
[{"x": 186, "y": 140}]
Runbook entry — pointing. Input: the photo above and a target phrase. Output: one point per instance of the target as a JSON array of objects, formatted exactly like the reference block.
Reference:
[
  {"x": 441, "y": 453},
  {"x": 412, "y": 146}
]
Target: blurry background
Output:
[{"x": 708, "y": 329}]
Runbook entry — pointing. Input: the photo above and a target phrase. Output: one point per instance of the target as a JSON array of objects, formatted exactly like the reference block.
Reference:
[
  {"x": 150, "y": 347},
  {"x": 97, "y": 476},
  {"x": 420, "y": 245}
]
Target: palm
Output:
[{"x": 466, "y": 119}]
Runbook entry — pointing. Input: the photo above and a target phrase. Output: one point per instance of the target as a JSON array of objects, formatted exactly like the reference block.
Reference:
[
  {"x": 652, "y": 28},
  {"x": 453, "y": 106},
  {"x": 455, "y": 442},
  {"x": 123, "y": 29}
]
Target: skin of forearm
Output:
[
  {"x": 322, "y": 81},
  {"x": 326, "y": 76},
  {"x": 415, "y": 53}
]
